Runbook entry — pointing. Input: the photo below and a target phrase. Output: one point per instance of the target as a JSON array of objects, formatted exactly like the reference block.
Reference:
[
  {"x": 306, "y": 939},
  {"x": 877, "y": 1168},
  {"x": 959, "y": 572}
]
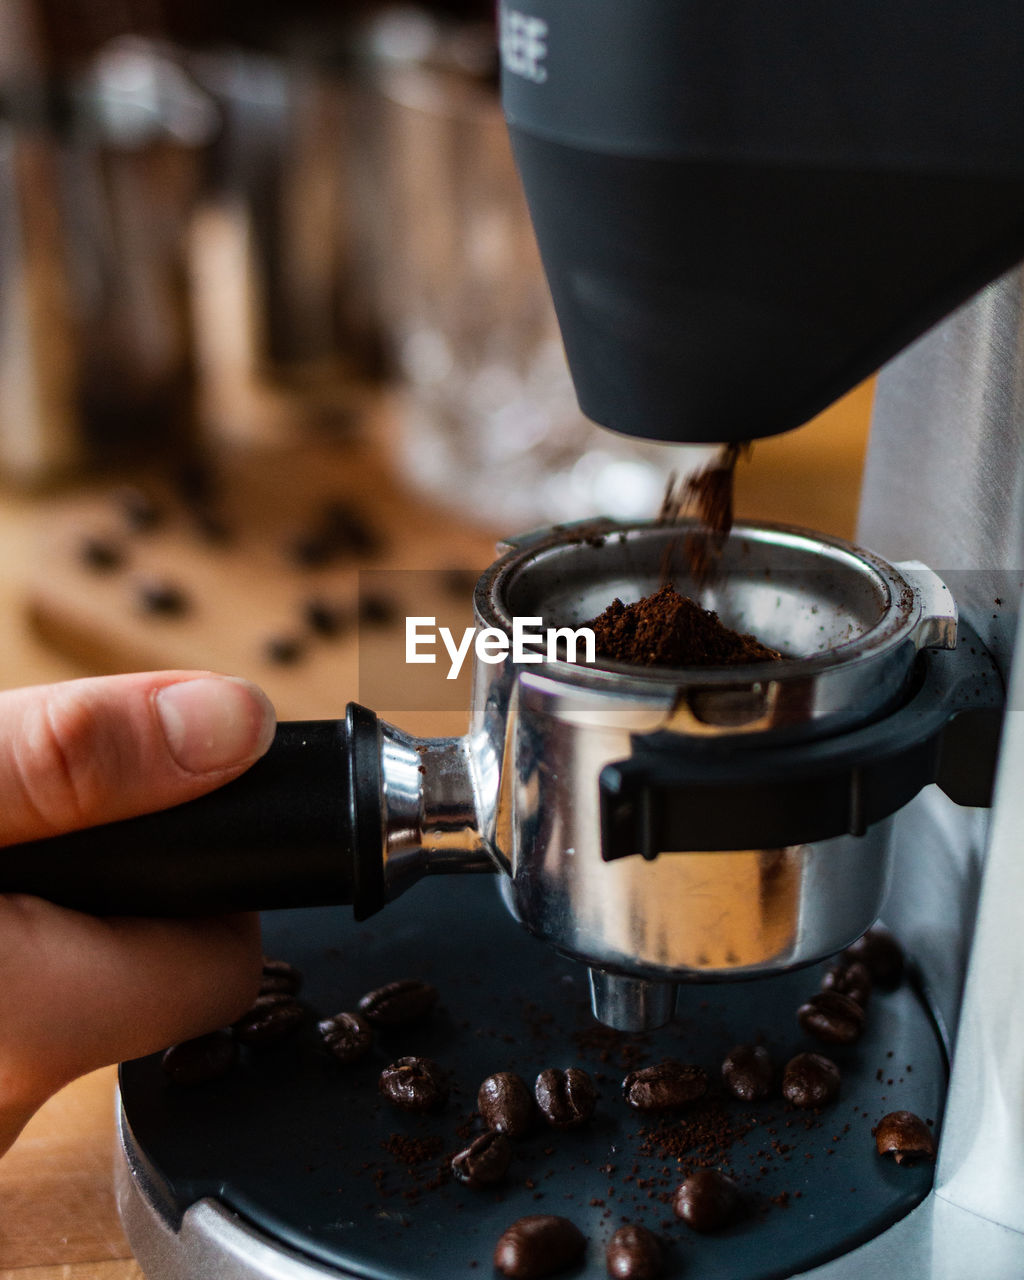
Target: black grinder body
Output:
[{"x": 744, "y": 209}]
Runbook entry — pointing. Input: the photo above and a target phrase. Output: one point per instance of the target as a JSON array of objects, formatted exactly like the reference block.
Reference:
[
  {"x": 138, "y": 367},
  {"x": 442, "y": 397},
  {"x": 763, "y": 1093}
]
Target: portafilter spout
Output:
[
  {"x": 660, "y": 826},
  {"x": 631, "y": 1004}
]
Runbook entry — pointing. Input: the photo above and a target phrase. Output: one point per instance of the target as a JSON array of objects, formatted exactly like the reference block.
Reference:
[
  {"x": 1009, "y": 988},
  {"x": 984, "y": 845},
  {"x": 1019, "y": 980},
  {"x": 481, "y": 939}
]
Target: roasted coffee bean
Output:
[
  {"x": 905, "y": 1137},
  {"x": 537, "y": 1246},
  {"x": 880, "y": 954},
  {"x": 348, "y": 1036},
  {"x": 506, "y": 1105},
  {"x": 279, "y": 975},
  {"x": 397, "y": 1003},
  {"x": 338, "y": 531},
  {"x": 634, "y": 1253},
  {"x": 140, "y": 512},
  {"x": 810, "y": 1080},
  {"x": 310, "y": 550},
  {"x": 747, "y": 1072},
  {"x": 707, "y": 1201},
  {"x": 271, "y": 1018},
  {"x": 283, "y": 651},
  {"x": 851, "y": 980},
  {"x": 196, "y": 483},
  {"x": 377, "y": 610},
  {"x": 324, "y": 618},
  {"x": 206, "y": 1058},
  {"x": 484, "y": 1162},
  {"x": 347, "y": 529},
  {"x": 832, "y": 1018},
  {"x": 415, "y": 1084},
  {"x": 211, "y": 526},
  {"x": 461, "y": 583},
  {"x": 100, "y": 554},
  {"x": 160, "y": 596},
  {"x": 664, "y": 1085},
  {"x": 566, "y": 1098}
]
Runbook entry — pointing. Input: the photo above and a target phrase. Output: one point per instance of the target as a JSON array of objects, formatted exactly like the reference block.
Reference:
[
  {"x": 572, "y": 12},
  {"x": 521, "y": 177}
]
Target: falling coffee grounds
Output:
[
  {"x": 667, "y": 629},
  {"x": 709, "y": 495}
]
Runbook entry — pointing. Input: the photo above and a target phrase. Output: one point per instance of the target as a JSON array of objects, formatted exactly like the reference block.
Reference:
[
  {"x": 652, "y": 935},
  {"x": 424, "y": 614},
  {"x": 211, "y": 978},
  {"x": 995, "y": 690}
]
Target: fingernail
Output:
[{"x": 215, "y": 722}]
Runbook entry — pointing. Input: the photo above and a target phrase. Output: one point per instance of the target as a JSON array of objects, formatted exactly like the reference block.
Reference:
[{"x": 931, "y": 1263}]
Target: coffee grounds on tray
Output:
[{"x": 667, "y": 629}]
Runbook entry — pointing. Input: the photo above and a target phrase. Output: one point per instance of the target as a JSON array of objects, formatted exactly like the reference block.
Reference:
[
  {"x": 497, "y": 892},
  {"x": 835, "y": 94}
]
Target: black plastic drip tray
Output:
[{"x": 310, "y": 1152}]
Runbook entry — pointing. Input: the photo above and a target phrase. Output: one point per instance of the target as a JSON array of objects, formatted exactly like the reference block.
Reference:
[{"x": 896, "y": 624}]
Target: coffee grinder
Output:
[
  {"x": 741, "y": 213},
  {"x": 743, "y": 210}
]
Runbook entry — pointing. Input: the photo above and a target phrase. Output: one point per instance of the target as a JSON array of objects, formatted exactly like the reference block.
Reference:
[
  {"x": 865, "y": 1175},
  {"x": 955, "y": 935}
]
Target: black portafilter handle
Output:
[{"x": 300, "y": 828}]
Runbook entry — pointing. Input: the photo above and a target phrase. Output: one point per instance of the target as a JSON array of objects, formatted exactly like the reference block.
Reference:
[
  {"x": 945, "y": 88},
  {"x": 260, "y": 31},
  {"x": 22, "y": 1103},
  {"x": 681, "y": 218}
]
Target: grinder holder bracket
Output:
[{"x": 675, "y": 796}]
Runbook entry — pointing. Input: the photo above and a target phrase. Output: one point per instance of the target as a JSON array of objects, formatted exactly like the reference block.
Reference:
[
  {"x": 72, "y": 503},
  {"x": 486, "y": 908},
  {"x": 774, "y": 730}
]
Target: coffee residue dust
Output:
[{"x": 667, "y": 629}]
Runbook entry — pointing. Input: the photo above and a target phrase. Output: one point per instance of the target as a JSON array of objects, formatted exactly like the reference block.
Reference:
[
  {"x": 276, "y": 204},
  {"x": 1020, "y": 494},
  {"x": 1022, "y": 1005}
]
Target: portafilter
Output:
[{"x": 660, "y": 825}]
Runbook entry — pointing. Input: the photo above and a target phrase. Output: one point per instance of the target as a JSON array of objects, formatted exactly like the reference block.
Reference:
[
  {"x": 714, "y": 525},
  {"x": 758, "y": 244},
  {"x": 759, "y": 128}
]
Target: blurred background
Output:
[
  {"x": 271, "y": 315},
  {"x": 277, "y": 368}
]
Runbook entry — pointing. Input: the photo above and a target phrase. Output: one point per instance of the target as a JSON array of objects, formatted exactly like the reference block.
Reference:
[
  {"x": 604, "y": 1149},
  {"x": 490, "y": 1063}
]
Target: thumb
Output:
[{"x": 97, "y": 750}]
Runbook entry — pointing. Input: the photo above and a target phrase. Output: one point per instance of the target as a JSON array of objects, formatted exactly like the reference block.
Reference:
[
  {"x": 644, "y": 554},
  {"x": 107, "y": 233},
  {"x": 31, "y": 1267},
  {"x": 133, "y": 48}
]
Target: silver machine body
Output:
[{"x": 945, "y": 476}]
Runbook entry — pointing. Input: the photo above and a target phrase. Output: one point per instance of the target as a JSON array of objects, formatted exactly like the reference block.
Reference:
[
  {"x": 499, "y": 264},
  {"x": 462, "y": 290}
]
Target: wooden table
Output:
[{"x": 57, "y": 1215}]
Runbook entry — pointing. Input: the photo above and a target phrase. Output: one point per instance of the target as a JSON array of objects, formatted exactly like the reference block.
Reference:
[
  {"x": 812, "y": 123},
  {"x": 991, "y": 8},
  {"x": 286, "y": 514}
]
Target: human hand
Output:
[{"x": 78, "y": 992}]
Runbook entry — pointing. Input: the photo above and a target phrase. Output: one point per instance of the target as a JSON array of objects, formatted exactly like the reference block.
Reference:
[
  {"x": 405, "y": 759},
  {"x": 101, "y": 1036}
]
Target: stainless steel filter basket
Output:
[
  {"x": 674, "y": 824},
  {"x": 848, "y": 623}
]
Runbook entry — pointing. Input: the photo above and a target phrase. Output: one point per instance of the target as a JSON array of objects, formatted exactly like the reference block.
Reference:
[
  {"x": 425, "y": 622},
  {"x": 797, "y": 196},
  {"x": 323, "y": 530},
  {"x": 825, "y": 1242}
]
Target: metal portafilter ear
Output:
[{"x": 660, "y": 826}]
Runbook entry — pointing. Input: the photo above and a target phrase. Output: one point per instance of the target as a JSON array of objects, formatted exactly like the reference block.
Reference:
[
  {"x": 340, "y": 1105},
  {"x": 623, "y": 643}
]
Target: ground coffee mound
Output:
[{"x": 667, "y": 629}]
